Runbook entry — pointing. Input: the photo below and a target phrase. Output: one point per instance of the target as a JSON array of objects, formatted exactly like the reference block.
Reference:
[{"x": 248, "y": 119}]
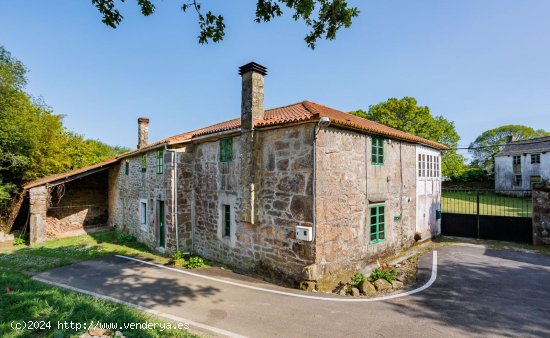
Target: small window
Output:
[
  {"x": 226, "y": 220},
  {"x": 517, "y": 180},
  {"x": 143, "y": 163},
  {"x": 419, "y": 165},
  {"x": 143, "y": 212},
  {"x": 377, "y": 224},
  {"x": 127, "y": 167},
  {"x": 517, "y": 159},
  {"x": 160, "y": 161},
  {"x": 535, "y": 158},
  {"x": 377, "y": 149},
  {"x": 226, "y": 150}
]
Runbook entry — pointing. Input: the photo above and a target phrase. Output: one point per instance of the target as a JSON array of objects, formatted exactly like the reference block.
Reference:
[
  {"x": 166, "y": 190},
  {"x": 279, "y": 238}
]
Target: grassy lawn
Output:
[
  {"x": 490, "y": 204},
  {"x": 23, "y": 299}
]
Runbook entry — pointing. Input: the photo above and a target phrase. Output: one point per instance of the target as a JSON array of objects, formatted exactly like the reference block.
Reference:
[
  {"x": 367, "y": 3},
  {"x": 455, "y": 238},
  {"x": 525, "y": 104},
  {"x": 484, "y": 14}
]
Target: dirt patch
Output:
[{"x": 56, "y": 228}]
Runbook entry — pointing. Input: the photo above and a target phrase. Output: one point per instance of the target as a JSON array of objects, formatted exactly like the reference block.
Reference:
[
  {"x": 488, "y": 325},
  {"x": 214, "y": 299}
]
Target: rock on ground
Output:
[
  {"x": 367, "y": 288},
  {"x": 397, "y": 284},
  {"x": 382, "y": 285}
]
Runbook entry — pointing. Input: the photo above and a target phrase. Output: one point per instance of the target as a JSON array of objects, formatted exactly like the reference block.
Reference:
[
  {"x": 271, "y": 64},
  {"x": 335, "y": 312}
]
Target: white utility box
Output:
[{"x": 304, "y": 233}]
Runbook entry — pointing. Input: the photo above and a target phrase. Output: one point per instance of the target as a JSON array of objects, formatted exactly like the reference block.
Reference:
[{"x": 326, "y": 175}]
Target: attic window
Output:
[
  {"x": 517, "y": 159},
  {"x": 377, "y": 151},
  {"x": 143, "y": 163},
  {"x": 226, "y": 150},
  {"x": 535, "y": 158},
  {"x": 160, "y": 161}
]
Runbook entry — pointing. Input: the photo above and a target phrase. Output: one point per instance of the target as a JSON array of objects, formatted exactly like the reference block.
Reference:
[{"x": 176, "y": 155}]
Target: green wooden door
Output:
[{"x": 161, "y": 223}]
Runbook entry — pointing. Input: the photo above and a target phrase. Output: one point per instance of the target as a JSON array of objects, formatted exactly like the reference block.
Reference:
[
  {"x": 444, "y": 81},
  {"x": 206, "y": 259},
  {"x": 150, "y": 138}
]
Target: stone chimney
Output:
[
  {"x": 252, "y": 95},
  {"x": 143, "y": 132},
  {"x": 511, "y": 138},
  {"x": 252, "y": 107}
]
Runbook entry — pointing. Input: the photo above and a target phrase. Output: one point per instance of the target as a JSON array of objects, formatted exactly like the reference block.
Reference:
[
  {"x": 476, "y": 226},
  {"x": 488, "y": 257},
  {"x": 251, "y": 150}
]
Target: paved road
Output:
[{"x": 478, "y": 292}]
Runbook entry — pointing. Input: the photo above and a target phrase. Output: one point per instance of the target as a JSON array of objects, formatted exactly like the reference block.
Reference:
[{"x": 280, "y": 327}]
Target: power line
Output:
[{"x": 503, "y": 144}]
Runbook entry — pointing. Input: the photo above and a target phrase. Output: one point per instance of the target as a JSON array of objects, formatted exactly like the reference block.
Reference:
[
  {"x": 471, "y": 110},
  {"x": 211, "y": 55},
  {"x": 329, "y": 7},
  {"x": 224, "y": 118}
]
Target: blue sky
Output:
[{"x": 481, "y": 64}]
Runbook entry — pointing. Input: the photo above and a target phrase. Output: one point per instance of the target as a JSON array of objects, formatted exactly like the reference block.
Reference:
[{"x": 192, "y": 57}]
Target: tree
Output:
[
  {"x": 405, "y": 115},
  {"x": 324, "y": 17},
  {"x": 491, "y": 141},
  {"x": 33, "y": 141}
]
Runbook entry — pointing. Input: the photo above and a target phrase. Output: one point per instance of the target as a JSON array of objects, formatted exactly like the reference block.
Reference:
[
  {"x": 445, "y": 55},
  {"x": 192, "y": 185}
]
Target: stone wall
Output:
[
  {"x": 347, "y": 184},
  {"x": 282, "y": 196},
  {"x": 128, "y": 191},
  {"x": 38, "y": 199},
  {"x": 541, "y": 214},
  {"x": 77, "y": 204}
]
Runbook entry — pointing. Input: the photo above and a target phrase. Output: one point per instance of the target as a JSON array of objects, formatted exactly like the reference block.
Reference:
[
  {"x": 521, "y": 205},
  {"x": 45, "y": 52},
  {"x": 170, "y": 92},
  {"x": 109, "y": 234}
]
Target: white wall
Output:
[
  {"x": 428, "y": 195},
  {"x": 504, "y": 173}
]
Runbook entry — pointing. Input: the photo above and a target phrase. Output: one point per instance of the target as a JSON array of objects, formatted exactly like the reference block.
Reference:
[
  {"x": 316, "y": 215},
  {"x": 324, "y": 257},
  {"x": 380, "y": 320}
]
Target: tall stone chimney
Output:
[
  {"x": 252, "y": 95},
  {"x": 252, "y": 108},
  {"x": 511, "y": 138},
  {"x": 143, "y": 132}
]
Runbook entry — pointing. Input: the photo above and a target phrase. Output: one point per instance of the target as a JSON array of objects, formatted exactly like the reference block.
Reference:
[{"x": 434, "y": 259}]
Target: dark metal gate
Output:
[{"x": 486, "y": 214}]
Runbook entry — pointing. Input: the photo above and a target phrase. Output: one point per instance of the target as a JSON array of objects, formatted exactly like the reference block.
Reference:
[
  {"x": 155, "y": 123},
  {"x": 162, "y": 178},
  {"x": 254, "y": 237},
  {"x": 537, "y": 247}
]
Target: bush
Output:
[
  {"x": 417, "y": 236},
  {"x": 18, "y": 241},
  {"x": 177, "y": 255},
  {"x": 357, "y": 279},
  {"x": 122, "y": 237},
  {"x": 387, "y": 274},
  {"x": 194, "y": 262}
]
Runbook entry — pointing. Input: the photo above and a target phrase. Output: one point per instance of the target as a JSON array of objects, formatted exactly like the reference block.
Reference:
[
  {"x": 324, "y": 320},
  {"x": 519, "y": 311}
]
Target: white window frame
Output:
[{"x": 143, "y": 211}]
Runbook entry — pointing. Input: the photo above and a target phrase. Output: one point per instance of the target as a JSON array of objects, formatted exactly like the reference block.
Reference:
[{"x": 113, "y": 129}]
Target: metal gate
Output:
[{"x": 485, "y": 214}]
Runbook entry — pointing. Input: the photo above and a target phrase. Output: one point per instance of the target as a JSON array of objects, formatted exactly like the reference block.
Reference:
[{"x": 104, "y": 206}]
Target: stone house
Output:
[
  {"x": 521, "y": 164},
  {"x": 300, "y": 192}
]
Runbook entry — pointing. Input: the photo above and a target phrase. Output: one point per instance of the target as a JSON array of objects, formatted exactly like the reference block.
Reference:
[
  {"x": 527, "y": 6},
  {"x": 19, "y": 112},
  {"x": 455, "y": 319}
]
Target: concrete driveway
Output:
[{"x": 477, "y": 292}]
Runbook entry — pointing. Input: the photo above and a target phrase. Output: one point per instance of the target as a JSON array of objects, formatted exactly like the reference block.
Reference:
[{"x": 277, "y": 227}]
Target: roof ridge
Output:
[{"x": 530, "y": 139}]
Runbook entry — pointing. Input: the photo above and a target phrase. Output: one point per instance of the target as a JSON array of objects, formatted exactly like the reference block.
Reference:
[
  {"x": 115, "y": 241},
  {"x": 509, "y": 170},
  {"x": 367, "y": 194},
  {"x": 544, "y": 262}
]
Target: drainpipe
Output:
[{"x": 175, "y": 194}]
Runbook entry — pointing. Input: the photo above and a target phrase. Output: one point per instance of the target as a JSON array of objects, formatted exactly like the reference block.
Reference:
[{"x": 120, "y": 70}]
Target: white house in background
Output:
[{"x": 522, "y": 163}]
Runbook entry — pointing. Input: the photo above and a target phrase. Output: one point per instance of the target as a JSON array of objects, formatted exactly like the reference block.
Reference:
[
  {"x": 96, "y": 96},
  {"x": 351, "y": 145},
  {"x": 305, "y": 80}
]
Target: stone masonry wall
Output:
[
  {"x": 347, "y": 185},
  {"x": 150, "y": 187},
  {"x": 283, "y": 199},
  {"x": 82, "y": 203},
  {"x": 38, "y": 199},
  {"x": 541, "y": 214}
]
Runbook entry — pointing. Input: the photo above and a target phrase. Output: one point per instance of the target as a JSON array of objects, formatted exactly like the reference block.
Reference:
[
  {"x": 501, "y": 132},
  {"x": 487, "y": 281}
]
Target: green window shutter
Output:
[
  {"x": 160, "y": 161},
  {"x": 377, "y": 150},
  {"x": 143, "y": 163},
  {"x": 226, "y": 150},
  {"x": 377, "y": 224}
]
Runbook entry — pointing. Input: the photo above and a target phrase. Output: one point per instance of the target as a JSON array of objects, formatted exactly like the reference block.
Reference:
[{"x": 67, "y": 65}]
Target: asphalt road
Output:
[{"x": 478, "y": 292}]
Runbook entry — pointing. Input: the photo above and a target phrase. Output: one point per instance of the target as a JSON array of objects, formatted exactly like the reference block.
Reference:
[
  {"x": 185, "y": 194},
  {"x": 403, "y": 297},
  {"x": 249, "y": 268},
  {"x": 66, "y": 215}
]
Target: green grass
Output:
[
  {"x": 490, "y": 204},
  {"x": 23, "y": 299}
]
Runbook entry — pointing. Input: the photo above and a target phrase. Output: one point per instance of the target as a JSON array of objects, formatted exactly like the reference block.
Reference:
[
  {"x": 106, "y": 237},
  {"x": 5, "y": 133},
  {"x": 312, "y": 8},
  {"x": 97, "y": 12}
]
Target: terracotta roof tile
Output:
[{"x": 298, "y": 112}]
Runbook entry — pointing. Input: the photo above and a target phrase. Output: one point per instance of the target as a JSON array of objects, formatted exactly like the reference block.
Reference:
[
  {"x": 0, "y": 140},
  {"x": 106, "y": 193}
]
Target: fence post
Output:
[{"x": 477, "y": 211}]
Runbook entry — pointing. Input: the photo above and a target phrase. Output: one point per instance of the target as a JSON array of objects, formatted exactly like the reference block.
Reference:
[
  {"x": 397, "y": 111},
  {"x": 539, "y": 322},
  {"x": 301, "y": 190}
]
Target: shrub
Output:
[
  {"x": 194, "y": 262},
  {"x": 417, "y": 236},
  {"x": 177, "y": 255},
  {"x": 387, "y": 274},
  {"x": 122, "y": 237},
  {"x": 18, "y": 241},
  {"x": 357, "y": 279}
]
